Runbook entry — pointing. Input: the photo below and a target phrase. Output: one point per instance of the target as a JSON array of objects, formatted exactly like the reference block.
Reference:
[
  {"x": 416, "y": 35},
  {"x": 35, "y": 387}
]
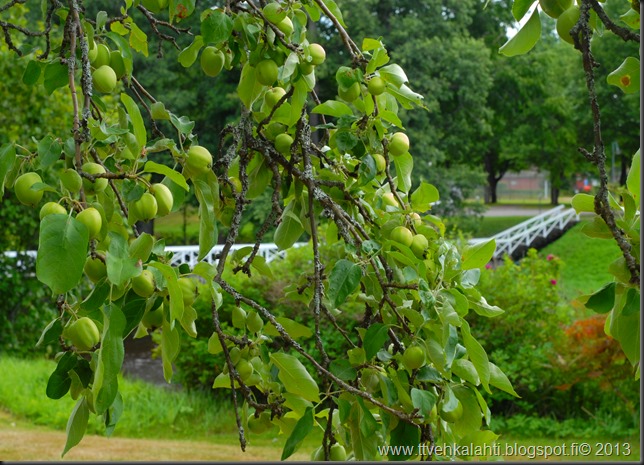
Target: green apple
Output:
[
  {"x": 83, "y": 333},
  {"x": 283, "y": 143},
  {"x": 164, "y": 198},
  {"x": 402, "y": 235},
  {"x": 212, "y": 61},
  {"x": 97, "y": 186},
  {"x": 389, "y": 198},
  {"x": 92, "y": 53},
  {"x": 189, "y": 290},
  {"x": 453, "y": 415},
  {"x": 71, "y": 180},
  {"x": 261, "y": 424},
  {"x": 117, "y": 63},
  {"x": 273, "y": 95},
  {"x": 198, "y": 159},
  {"x": 413, "y": 358},
  {"x": 419, "y": 244},
  {"x": 286, "y": 26},
  {"x": 554, "y": 8},
  {"x": 146, "y": 207},
  {"x": 351, "y": 93},
  {"x": 95, "y": 269},
  {"x": 318, "y": 55},
  {"x": 143, "y": 284},
  {"x": 153, "y": 318},
  {"x": 376, "y": 85},
  {"x": 266, "y": 72},
  {"x": 104, "y": 79},
  {"x": 381, "y": 163},
  {"x": 415, "y": 219},
  {"x": 91, "y": 218},
  {"x": 398, "y": 144},
  {"x": 337, "y": 453},
  {"x": 102, "y": 56},
  {"x": 306, "y": 68},
  {"x": 244, "y": 368},
  {"x": 52, "y": 208},
  {"x": 274, "y": 12},
  {"x": 566, "y": 21},
  {"x": 273, "y": 130},
  {"x": 22, "y": 188}
]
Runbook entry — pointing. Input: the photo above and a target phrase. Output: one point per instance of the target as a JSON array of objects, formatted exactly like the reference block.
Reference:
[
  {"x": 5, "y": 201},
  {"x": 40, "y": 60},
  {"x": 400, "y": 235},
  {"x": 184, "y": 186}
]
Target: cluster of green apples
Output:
[
  {"x": 108, "y": 67},
  {"x": 337, "y": 453}
]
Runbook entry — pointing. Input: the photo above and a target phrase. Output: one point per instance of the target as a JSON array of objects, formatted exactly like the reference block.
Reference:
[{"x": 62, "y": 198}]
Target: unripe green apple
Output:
[
  {"x": 199, "y": 159},
  {"x": 91, "y": 218},
  {"x": 146, "y": 207},
  {"x": 117, "y": 63},
  {"x": 143, "y": 284},
  {"x": 453, "y": 415},
  {"x": 398, "y": 144},
  {"x": 188, "y": 290},
  {"x": 554, "y": 8},
  {"x": 274, "y": 12},
  {"x": 351, "y": 93},
  {"x": 388, "y": 198},
  {"x": 236, "y": 182},
  {"x": 283, "y": 143},
  {"x": 261, "y": 424},
  {"x": 376, "y": 85},
  {"x": 97, "y": 186},
  {"x": 95, "y": 269},
  {"x": 413, "y": 358},
  {"x": 274, "y": 129},
  {"x": 23, "y": 191},
  {"x": 92, "y": 52},
  {"x": 164, "y": 198},
  {"x": 318, "y": 54},
  {"x": 337, "y": 453},
  {"x": 566, "y": 21},
  {"x": 306, "y": 68},
  {"x": 153, "y": 318},
  {"x": 244, "y": 368},
  {"x": 402, "y": 235},
  {"x": 102, "y": 56},
  {"x": 71, "y": 180},
  {"x": 212, "y": 61},
  {"x": 266, "y": 72},
  {"x": 104, "y": 79},
  {"x": 273, "y": 95},
  {"x": 286, "y": 26},
  {"x": 415, "y": 219},
  {"x": 239, "y": 318},
  {"x": 381, "y": 163},
  {"x": 83, "y": 333},
  {"x": 418, "y": 245},
  {"x": 52, "y": 208}
]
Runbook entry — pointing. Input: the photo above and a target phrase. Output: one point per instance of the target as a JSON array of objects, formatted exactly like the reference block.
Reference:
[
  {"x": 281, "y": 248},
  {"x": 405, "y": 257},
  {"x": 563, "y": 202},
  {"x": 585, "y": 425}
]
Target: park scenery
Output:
[{"x": 271, "y": 230}]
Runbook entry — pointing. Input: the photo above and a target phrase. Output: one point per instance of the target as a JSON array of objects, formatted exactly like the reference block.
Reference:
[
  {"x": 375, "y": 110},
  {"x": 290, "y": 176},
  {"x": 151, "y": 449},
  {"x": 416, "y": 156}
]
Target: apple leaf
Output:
[
  {"x": 207, "y": 192},
  {"x": 520, "y": 8},
  {"x": 499, "y": 380},
  {"x": 632, "y": 180},
  {"x": 120, "y": 267},
  {"x": 76, "y": 425},
  {"x": 136, "y": 118},
  {"x": 404, "y": 164},
  {"x": 627, "y": 76},
  {"x": 56, "y": 75},
  {"x": 294, "y": 376},
  {"x": 302, "y": 428},
  {"x": 423, "y": 197},
  {"x": 7, "y": 160},
  {"x": 344, "y": 279},
  {"x": 188, "y": 55},
  {"x": 175, "y": 176},
  {"x": 333, "y": 108},
  {"x": 631, "y": 18},
  {"x": 477, "y": 355},
  {"x": 525, "y": 39},
  {"x": 583, "y": 203},
  {"x": 289, "y": 230},
  {"x": 477, "y": 255},
  {"x": 293, "y": 328},
  {"x": 110, "y": 359},
  {"x": 216, "y": 27},
  {"x": 32, "y": 73}
]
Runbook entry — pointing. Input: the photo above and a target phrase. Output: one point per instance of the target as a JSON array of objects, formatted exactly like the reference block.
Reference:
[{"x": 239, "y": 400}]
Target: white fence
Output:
[
  {"x": 508, "y": 241},
  {"x": 526, "y": 233}
]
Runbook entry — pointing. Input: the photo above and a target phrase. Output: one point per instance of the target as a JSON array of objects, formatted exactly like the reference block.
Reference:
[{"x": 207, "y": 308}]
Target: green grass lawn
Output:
[{"x": 585, "y": 259}]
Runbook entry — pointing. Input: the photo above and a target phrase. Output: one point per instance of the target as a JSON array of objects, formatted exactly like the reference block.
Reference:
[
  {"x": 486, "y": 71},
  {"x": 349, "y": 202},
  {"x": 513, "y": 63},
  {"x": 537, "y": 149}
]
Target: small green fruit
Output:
[
  {"x": 261, "y": 424},
  {"x": 102, "y": 56},
  {"x": 402, "y": 235},
  {"x": 71, "y": 180},
  {"x": 413, "y": 358},
  {"x": 283, "y": 143},
  {"x": 153, "y": 318},
  {"x": 23, "y": 191},
  {"x": 453, "y": 415},
  {"x": 164, "y": 198},
  {"x": 418, "y": 245},
  {"x": 351, "y": 93},
  {"x": 266, "y": 72},
  {"x": 337, "y": 453},
  {"x": 83, "y": 333},
  {"x": 199, "y": 159},
  {"x": 146, "y": 207},
  {"x": 212, "y": 61},
  {"x": 52, "y": 208},
  {"x": 95, "y": 269},
  {"x": 398, "y": 144},
  {"x": 306, "y": 68},
  {"x": 388, "y": 198},
  {"x": 97, "y": 186},
  {"x": 189, "y": 290},
  {"x": 376, "y": 85},
  {"x": 274, "y": 12},
  {"x": 244, "y": 368},
  {"x": 381, "y": 163},
  {"x": 273, "y": 95},
  {"x": 318, "y": 55},
  {"x": 91, "y": 218},
  {"x": 286, "y": 26},
  {"x": 143, "y": 284},
  {"x": 104, "y": 79}
]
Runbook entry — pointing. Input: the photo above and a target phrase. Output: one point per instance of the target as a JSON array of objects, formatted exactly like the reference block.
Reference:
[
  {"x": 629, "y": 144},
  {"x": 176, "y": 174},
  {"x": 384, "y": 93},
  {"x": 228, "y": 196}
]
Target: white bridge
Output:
[{"x": 511, "y": 241}]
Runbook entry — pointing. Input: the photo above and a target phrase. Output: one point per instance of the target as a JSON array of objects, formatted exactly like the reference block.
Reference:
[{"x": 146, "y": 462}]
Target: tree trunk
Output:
[
  {"x": 490, "y": 189},
  {"x": 554, "y": 194},
  {"x": 624, "y": 170}
]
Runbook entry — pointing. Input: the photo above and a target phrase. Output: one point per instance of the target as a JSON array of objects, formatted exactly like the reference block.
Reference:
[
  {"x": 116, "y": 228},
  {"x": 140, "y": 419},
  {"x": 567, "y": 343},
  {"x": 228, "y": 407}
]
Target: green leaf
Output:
[
  {"x": 137, "y": 120},
  {"x": 465, "y": 370},
  {"x": 404, "y": 164},
  {"x": 141, "y": 247},
  {"x": 603, "y": 300},
  {"x": 404, "y": 437},
  {"x": 207, "y": 193},
  {"x": 216, "y": 27},
  {"x": 374, "y": 339},
  {"x": 302, "y": 429},
  {"x": 176, "y": 297},
  {"x": 174, "y": 176},
  {"x": 394, "y": 74},
  {"x": 293, "y": 328},
  {"x": 477, "y": 355},
  {"x": 56, "y": 75},
  {"x": 189, "y": 54},
  {"x": 631, "y": 18},
  {"x": 110, "y": 359},
  {"x": 76, "y": 425},
  {"x": 138, "y": 39},
  {"x": 484, "y": 309},
  {"x": 62, "y": 250},
  {"x": 333, "y": 108},
  {"x": 344, "y": 279},
  {"x": 32, "y": 73},
  {"x": 499, "y": 380},
  {"x": 214, "y": 344},
  {"x": 520, "y": 8},
  {"x": 248, "y": 89},
  {"x": 477, "y": 255},
  {"x": 49, "y": 150},
  {"x": 525, "y": 39},
  {"x": 342, "y": 369},
  {"x": 627, "y": 76},
  {"x": 632, "y": 180},
  {"x": 289, "y": 230},
  {"x": 59, "y": 382},
  {"x": 113, "y": 415},
  {"x": 170, "y": 344},
  {"x": 120, "y": 267},
  {"x": 295, "y": 377},
  {"x": 423, "y": 400},
  {"x": 7, "y": 160},
  {"x": 583, "y": 203},
  {"x": 183, "y": 124},
  {"x": 423, "y": 197}
]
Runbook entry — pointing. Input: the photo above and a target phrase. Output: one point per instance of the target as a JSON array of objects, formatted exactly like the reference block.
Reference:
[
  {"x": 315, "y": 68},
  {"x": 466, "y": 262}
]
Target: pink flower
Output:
[
  {"x": 488, "y": 266},
  {"x": 550, "y": 257},
  {"x": 553, "y": 282}
]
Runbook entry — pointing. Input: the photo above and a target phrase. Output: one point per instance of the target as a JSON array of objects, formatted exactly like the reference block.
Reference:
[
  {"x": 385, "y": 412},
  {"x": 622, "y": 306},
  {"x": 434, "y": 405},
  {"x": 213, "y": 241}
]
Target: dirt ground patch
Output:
[{"x": 21, "y": 442}]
